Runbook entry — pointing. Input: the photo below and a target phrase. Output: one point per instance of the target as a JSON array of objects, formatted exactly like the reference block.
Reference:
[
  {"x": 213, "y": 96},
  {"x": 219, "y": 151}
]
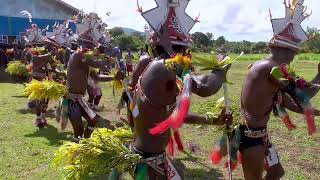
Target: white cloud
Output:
[{"x": 234, "y": 19}]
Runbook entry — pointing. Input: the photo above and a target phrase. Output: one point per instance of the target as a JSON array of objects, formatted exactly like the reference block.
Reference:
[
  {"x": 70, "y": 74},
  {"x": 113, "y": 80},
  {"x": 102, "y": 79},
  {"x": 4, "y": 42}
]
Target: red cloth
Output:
[{"x": 129, "y": 68}]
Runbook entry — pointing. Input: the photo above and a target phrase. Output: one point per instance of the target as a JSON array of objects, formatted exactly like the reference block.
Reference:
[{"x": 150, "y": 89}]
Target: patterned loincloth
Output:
[
  {"x": 160, "y": 163},
  {"x": 78, "y": 98}
]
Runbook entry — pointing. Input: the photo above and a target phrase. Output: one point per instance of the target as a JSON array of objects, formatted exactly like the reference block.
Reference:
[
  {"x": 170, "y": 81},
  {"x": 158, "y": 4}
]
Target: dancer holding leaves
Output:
[{"x": 271, "y": 85}]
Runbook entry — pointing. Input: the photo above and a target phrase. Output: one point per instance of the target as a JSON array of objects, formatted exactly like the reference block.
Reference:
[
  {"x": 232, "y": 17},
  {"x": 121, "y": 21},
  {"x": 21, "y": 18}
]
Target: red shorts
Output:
[{"x": 129, "y": 68}]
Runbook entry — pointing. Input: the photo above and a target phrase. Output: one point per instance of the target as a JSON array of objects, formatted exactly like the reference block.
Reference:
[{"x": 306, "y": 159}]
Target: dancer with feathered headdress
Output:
[
  {"x": 39, "y": 56},
  {"x": 161, "y": 87},
  {"x": 272, "y": 85}
]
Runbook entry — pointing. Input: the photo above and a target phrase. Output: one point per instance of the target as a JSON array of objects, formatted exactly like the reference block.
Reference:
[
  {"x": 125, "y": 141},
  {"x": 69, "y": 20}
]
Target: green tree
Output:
[
  {"x": 259, "y": 47},
  {"x": 138, "y": 42},
  {"x": 245, "y": 46},
  {"x": 116, "y": 31},
  {"x": 124, "y": 41},
  {"x": 220, "y": 41},
  {"x": 201, "y": 41},
  {"x": 313, "y": 45},
  {"x": 210, "y": 36},
  {"x": 137, "y": 34}
]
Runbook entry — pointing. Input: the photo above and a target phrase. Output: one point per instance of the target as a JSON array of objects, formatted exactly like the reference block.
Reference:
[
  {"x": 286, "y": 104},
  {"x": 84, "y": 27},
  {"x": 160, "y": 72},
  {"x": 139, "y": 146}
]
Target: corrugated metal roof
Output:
[{"x": 66, "y": 5}]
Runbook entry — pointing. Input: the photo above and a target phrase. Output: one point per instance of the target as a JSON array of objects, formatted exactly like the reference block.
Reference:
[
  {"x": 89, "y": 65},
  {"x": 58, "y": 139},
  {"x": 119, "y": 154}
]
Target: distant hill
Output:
[{"x": 130, "y": 31}]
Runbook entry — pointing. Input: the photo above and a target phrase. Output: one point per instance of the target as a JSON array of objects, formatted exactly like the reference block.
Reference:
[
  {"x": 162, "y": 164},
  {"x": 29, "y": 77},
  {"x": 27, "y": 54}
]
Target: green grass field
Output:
[
  {"x": 255, "y": 57},
  {"x": 26, "y": 152}
]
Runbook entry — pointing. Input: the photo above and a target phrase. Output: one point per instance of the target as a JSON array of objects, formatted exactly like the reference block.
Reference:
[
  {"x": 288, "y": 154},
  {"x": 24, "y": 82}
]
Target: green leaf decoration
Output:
[
  {"x": 16, "y": 68},
  {"x": 276, "y": 73},
  {"x": 235, "y": 109},
  {"x": 98, "y": 155},
  {"x": 214, "y": 63}
]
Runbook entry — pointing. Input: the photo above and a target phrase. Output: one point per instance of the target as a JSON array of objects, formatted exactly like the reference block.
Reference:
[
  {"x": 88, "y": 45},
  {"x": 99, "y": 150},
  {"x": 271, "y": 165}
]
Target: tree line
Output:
[
  {"x": 206, "y": 42},
  {"x": 133, "y": 41}
]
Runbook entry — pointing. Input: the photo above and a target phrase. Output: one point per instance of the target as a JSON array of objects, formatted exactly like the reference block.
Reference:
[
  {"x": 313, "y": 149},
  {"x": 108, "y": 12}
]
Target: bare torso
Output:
[
  {"x": 77, "y": 75},
  {"x": 258, "y": 94},
  {"x": 158, "y": 85},
  {"x": 39, "y": 63}
]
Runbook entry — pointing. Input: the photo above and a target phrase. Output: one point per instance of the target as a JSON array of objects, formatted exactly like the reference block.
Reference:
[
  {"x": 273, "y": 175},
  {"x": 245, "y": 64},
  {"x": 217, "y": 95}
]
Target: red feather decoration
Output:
[
  {"x": 240, "y": 157},
  {"x": 309, "y": 115},
  {"x": 197, "y": 18},
  {"x": 176, "y": 119},
  {"x": 216, "y": 156},
  {"x": 181, "y": 113},
  {"x": 178, "y": 140},
  {"x": 162, "y": 127},
  {"x": 233, "y": 165},
  {"x": 287, "y": 121}
]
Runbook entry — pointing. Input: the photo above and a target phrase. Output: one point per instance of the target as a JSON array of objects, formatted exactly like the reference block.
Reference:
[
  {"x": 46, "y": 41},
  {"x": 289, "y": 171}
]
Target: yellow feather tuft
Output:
[{"x": 116, "y": 83}]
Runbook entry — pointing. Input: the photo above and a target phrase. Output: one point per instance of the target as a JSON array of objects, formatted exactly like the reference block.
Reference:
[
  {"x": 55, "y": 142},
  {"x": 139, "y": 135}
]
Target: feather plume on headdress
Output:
[
  {"x": 47, "y": 28},
  {"x": 26, "y": 13}
]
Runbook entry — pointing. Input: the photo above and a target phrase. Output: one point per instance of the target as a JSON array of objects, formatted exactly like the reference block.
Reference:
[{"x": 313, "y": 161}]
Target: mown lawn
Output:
[
  {"x": 255, "y": 57},
  {"x": 26, "y": 152}
]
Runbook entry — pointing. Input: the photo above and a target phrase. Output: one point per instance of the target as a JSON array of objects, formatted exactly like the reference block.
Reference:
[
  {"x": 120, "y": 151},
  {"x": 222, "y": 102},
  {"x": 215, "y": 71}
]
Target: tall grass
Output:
[{"x": 308, "y": 56}]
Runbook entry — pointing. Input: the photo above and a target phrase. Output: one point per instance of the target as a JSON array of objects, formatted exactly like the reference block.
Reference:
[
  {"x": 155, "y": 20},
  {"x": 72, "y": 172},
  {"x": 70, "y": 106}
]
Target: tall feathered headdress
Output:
[
  {"x": 60, "y": 34},
  {"x": 287, "y": 31},
  {"x": 170, "y": 17},
  {"x": 90, "y": 29}
]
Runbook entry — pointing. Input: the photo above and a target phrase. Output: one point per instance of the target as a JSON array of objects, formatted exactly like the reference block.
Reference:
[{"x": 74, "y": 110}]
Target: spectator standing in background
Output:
[{"x": 129, "y": 57}]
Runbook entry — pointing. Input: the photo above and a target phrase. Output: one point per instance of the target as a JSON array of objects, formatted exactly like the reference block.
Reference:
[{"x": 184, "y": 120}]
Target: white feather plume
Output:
[
  {"x": 67, "y": 23},
  {"x": 26, "y": 13}
]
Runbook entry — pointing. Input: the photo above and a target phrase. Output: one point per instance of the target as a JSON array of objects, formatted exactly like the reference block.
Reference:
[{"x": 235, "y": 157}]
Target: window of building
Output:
[{"x": 3, "y": 39}]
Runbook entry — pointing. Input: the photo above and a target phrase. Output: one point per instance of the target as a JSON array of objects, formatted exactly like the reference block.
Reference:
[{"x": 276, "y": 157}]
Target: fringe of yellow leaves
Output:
[
  {"x": 102, "y": 152},
  {"x": 16, "y": 68},
  {"x": 183, "y": 61},
  {"x": 44, "y": 90}
]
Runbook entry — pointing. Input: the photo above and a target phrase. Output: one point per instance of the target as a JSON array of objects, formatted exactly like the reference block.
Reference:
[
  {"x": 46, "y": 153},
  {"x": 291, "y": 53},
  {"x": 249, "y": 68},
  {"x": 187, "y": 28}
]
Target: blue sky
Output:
[{"x": 234, "y": 19}]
